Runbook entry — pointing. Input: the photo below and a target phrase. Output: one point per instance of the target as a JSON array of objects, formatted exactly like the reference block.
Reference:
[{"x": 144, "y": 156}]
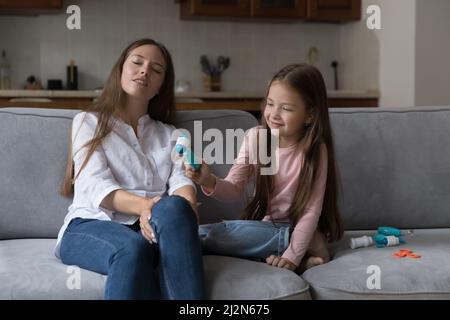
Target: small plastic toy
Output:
[
  {"x": 389, "y": 231},
  {"x": 385, "y": 237},
  {"x": 361, "y": 242},
  {"x": 382, "y": 240},
  {"x": 183, "y": 147},
  {"x": 406, "y": 253}
]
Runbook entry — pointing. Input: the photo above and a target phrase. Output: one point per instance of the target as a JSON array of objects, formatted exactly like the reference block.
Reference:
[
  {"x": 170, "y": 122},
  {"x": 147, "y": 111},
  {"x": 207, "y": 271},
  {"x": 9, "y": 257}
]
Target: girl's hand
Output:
[
  {"x": 144, "y": 215},
  {"x": 202, "y": 176},
  {"x": 280, "y": 262}
]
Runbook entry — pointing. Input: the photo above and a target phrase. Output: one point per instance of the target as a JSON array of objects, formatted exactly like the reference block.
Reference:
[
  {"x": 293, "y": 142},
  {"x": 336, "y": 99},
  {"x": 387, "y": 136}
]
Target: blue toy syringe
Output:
[{"x": 183, "y": 147}]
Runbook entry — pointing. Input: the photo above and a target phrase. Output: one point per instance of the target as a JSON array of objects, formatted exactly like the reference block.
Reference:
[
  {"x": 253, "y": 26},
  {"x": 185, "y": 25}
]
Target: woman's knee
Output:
[{"x": 173, "y": 210}]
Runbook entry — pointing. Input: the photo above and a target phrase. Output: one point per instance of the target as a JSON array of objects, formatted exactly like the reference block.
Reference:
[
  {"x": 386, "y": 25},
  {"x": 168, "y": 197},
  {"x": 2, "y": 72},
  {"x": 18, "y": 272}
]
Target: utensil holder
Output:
[{"x": 212, "y": 82}]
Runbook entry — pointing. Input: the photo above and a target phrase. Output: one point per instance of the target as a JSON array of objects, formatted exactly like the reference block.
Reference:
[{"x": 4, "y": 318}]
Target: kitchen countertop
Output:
[
  {"x": 50, "y": 93},
  {"x": 344, "y": 94}
]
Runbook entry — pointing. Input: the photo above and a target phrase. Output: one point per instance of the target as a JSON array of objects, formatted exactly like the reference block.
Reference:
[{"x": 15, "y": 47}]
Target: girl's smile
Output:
[{"x": 274, "y": 125}]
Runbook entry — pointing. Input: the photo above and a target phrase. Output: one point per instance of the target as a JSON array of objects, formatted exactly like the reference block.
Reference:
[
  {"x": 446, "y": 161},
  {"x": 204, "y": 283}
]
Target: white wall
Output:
[
  {"x": 407, "y": 60},
  {"x": 43, "y": 45},
  {"x": 433, "y": 52},
  {"x": 359, "y": 55},
  {"x": 397, "y": 53},
  {"x": 385, "y": 58}
]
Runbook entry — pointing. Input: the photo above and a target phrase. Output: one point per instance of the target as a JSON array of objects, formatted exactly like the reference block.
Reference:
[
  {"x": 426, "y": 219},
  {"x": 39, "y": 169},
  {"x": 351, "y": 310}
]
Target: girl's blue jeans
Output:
[
  {"x": 255, "y": 240},
  {"x": 135, "y": 268}
]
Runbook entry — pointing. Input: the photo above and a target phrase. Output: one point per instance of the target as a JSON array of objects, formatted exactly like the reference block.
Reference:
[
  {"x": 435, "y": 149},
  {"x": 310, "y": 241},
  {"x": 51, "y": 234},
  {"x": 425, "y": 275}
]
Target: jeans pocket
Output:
[{"x": 77, "y": 221}]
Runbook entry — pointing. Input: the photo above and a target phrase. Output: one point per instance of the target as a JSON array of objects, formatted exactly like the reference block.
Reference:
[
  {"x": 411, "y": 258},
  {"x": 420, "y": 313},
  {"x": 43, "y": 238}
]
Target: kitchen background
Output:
[{"x": 406, "y": 61}]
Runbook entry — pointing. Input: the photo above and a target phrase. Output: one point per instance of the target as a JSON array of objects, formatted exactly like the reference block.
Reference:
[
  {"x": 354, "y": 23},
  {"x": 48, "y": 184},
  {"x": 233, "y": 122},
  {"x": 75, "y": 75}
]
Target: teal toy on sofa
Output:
[{"x": 385, "y": 237}]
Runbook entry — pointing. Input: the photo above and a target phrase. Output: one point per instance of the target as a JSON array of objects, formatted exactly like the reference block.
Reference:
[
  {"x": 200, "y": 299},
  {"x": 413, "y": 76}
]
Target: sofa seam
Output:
[
  {"x": 381, "y": 292},
  {"x": 37, "y": 115},
  {"x": 244, "y": 116},
  {"x": 302, "y": 291},
  {"x": 340, "y": 111},
  {"x": 220, "y": 117}
]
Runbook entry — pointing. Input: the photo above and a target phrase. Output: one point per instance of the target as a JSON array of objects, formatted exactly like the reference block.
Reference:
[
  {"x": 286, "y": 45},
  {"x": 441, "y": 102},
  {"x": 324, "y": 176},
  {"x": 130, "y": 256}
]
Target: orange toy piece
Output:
[{"x": 406, "y": 253}]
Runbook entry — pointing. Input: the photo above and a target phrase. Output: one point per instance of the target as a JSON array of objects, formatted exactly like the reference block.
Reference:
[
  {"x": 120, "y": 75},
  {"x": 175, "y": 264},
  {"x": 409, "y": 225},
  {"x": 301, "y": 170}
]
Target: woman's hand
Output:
[
  {"x": 145, "y": 212},
  {"x": 280, "y": 262},
  {"x": 202, "y": 176}
]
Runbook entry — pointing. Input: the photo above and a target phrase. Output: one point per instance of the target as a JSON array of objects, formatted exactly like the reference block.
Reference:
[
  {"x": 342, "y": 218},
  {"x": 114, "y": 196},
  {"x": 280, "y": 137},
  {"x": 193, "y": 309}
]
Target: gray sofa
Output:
[{"x": 395, "y": 170}]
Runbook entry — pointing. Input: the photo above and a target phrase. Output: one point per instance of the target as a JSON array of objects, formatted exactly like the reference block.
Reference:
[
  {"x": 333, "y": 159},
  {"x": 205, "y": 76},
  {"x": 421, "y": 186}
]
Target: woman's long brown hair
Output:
[
  {"x": 161, "y": 107},
  {"x": 308, "y": 82}
]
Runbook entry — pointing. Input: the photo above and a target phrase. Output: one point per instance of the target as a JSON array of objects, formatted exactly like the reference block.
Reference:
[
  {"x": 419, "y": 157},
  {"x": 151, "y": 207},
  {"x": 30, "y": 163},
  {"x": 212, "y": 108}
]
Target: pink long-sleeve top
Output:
[{"x": 233, "y": 187}]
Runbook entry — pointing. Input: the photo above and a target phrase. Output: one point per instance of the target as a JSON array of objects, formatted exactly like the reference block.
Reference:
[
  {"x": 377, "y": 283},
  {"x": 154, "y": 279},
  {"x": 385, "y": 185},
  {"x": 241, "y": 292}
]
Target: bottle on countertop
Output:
[
  {"x": 72, "y": 76},
  {"x": 5, "y": 72}
]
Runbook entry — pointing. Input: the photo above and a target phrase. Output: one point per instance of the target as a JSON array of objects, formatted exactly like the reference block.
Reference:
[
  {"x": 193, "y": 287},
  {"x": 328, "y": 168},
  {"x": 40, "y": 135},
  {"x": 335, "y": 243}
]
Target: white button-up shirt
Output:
[{"x": 139, "y": 164}]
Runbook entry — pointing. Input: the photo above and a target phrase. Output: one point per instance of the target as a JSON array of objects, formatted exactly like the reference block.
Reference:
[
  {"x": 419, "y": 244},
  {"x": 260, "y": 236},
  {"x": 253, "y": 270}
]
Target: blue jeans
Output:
[
  {"x": 249, "y": 239},
  {"x": 135, "y": 268}
]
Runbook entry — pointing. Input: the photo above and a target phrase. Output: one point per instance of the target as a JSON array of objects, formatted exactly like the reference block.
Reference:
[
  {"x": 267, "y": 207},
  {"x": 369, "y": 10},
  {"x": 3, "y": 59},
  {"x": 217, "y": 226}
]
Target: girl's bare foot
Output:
[
  {"x": 313, "y": 262},
  {"x": 310, "y": 262}
]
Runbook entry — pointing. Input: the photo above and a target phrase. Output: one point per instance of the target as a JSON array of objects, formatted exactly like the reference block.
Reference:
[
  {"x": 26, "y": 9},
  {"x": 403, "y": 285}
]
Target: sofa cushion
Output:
[
  {"x": 345, "y": 277},
  {"x": 29, "y": 270},
  {"x": 234, "y": 278}
]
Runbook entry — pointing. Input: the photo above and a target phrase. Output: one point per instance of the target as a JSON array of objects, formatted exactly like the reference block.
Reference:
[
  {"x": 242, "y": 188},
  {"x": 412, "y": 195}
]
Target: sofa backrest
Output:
[
  {"x": 394, "y": 166},
  {"x": 33, "y": 146}
]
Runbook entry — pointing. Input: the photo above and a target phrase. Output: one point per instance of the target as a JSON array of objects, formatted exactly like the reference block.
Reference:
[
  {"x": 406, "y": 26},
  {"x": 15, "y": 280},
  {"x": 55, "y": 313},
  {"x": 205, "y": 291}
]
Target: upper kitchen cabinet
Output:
[
  {"x": 279, "y": 8},
  {"x": 310, "y": 10},
  {"x": 191, "y": 9},
  {"x": 333, "y": 10},
  {"x": 30, "y": 7},
  {"x": 198, "y": 9}
]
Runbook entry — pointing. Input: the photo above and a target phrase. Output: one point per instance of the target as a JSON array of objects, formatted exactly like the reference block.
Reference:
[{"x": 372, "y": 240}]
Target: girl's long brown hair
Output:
[
  {"x": 112, "y": 100},
  {"x": 308, "y": 82}
]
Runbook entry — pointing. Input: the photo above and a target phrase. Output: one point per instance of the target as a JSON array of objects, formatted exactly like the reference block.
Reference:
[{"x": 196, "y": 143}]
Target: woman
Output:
[{"x": 119, "y": 167}]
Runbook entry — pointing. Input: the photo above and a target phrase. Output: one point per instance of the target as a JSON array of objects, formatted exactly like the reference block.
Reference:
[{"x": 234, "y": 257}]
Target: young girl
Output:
[
  {"x": 120, "y": 166},
  {"x": 295, "y": 209}
]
